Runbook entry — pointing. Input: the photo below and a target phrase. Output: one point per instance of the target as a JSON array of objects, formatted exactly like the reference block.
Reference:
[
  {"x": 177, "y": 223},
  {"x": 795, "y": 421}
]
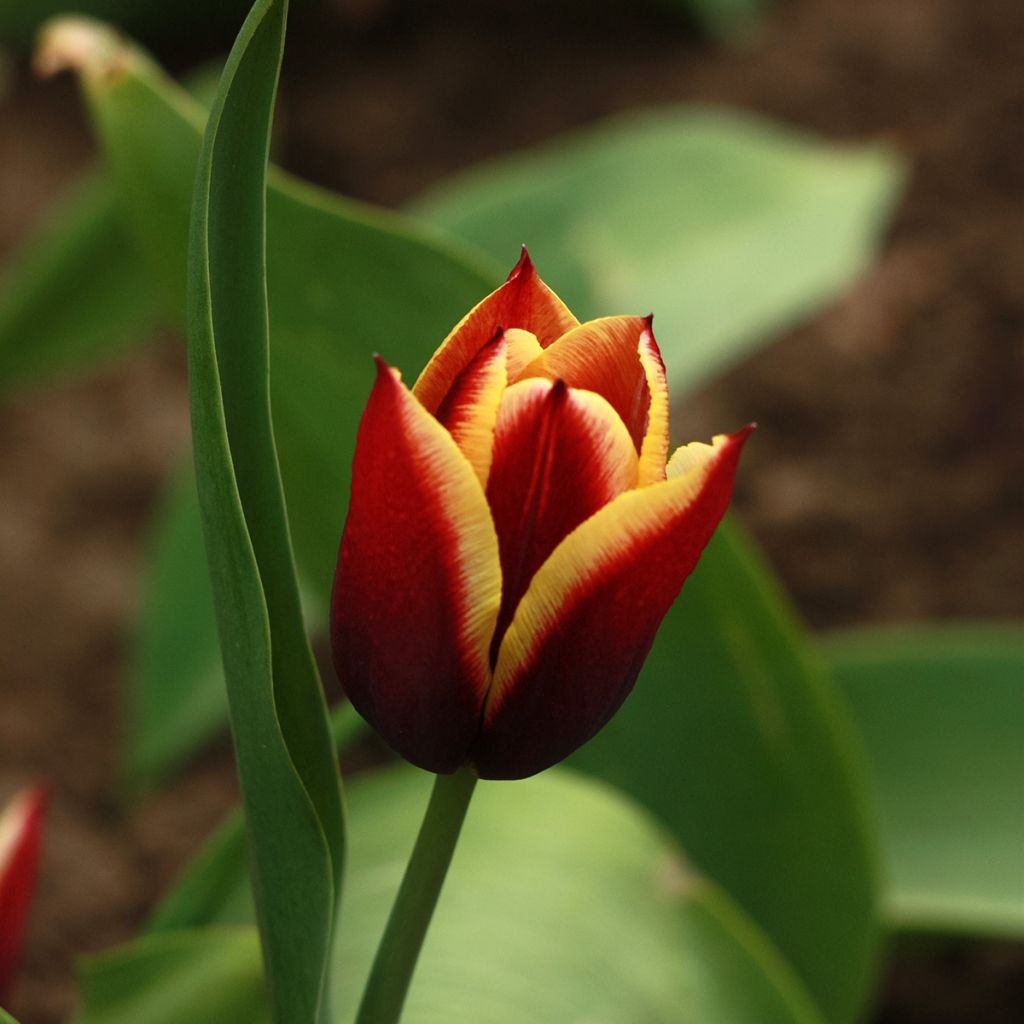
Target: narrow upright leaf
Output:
[{"x": 286, "y": 763}]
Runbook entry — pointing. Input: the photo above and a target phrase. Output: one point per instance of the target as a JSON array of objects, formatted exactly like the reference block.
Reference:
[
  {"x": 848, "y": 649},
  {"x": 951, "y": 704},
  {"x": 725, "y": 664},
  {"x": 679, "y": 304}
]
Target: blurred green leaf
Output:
[
  {"x": 343, "y": 280},
  {"x": 942, "y": 712},
  {"x": 730, "y": 228},
  {"x": 76, "y": 293},
  {"x": 208, "y": 976},
  {"x": 214, "y": 888},
  {"x": 735, "y": 738},
  {"x": 563, "y": 903},
  {"x": 5, "y": 1017},
  {"x": 177, "y": 700},
  {"x": 286, "y": 764}
]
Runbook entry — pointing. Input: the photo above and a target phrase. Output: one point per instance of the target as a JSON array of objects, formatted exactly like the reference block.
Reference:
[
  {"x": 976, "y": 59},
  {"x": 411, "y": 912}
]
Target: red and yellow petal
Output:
[
  {"x": 20, "y": 848},
  {"x": 581, "y": 632},
  {"x": 603, "y": 356},
  {"x": 524, "y": 301},
  {"x": 470, "y": 408},
  {"x": 560, "y": 454},
  {"x": 418, "y": 584}
]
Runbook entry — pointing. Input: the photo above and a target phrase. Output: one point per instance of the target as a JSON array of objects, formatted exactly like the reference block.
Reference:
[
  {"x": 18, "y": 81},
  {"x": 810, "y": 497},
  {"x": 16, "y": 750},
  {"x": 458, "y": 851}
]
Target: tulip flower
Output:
[
  {"x": 20, "y": 833},
  {"x": 516, "y": 533}
]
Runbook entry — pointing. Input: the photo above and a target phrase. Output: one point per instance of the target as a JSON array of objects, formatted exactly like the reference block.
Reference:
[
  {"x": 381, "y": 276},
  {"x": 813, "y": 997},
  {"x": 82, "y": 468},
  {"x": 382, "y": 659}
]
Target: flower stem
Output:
[{"x": 414, "y": 905}]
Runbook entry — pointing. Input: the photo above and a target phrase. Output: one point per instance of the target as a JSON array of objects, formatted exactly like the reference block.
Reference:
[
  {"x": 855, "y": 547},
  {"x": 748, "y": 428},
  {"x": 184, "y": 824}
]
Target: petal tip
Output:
[
  {"x": 524, "y": 266},
  {"x": 741, "y": 435}
]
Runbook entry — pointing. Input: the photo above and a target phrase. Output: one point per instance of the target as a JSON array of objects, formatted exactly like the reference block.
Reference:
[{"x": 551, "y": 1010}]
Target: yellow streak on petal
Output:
[
  {"x": 523, "y": 349},
  {"x": 654, "y": 450},
  {"x": 477, "y": 412},
  {"x": 604, "y": 540},
  {"x": 453, "y": 478},
  {"x": 523, "y": 301}
]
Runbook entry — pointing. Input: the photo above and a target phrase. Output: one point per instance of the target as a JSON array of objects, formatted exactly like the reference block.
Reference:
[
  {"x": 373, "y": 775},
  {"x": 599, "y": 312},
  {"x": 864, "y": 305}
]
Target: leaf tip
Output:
[{"x": 79, "y": 44}]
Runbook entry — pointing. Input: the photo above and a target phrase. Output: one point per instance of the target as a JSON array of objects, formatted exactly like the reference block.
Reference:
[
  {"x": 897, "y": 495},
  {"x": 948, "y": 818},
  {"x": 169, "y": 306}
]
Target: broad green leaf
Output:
[
  {"x": 941, "y": 708},
  {"x": 208, "y": 976},
  {"x": 730, "y": 228},
  {"x": 564, "y": 903},
  {"x": 343, "y": 280},
  {"x": 5, "y": 1017},
  {"x": 734, "y": 737},
  {"x": 76, "y": 293},
  {"x": 214, "y": 888},
  {"x": 177, "y": 698},
  {"x": 286, "y": 765}
]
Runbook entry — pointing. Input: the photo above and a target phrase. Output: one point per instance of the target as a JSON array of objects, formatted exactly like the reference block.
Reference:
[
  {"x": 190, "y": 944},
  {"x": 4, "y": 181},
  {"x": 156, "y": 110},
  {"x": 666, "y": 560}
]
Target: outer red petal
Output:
[
  {"x": 523, "y": 301},
  {"x": 418, "y": 584},
  {"x": 604, "y": 356},
  {"x": 560, "y": 454},
  {"x": 584, "y": 627},
  {"x": 20, "y": 847}
]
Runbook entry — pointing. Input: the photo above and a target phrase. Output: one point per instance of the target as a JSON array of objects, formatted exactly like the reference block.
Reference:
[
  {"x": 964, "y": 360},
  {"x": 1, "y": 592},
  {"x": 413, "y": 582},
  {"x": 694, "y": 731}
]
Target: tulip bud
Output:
[
  {"x": 20, "y": 841},
  {"x": 516, "y": 533}
]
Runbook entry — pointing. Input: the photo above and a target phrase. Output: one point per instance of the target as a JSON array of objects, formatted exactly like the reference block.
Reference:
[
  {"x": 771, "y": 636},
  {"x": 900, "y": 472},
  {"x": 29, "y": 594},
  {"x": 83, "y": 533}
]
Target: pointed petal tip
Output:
[
  {"x": 524, "y": 265},
  {"x": 741, "y": 435}
]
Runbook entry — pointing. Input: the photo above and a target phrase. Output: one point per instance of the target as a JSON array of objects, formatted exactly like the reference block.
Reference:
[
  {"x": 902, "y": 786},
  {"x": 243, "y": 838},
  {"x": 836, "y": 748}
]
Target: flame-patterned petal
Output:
[
  {"x": 418, "y": 583},
  {"x": 581, "y": 632}
]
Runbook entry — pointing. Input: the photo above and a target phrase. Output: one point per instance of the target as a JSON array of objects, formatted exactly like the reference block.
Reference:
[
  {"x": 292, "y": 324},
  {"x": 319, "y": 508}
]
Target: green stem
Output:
[{"x": 414, "y": 905}]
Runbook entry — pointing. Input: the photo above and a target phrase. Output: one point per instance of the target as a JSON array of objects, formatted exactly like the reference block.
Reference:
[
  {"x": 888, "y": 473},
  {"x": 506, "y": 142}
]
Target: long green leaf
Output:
[
  {"x": 343, "y": 280},
  {"x": 728, "y": 227},
  {"x": 564, "y": 903},
  {"x": 208, "y": 976},
  {"x": 286, "y": 766},
  {"x": 736, "y": 740},
  {"x": 76, "y": 294},
  {"x": 942, "y": 712},
  {"x": 5, "y": 1017}
]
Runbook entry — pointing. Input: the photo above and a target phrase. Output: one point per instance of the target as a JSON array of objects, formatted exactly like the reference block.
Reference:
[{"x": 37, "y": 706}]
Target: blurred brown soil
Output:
[{"x": 887, "y": 481}]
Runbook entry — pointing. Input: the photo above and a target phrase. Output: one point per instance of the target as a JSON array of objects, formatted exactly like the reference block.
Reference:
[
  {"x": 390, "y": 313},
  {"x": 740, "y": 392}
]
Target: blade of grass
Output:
[{"x": 286, "y": 765}]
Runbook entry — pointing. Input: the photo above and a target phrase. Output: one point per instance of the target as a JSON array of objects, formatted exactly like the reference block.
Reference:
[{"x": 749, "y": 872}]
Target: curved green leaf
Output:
[
  {"x": 563, "y": 903},
  {"x": 286, "y": 765},
  {"x": 941, "y": 708},
  {"x": 730, "y": 228},
  {"x": 734, "y": 737},
  {"x": 76, "y": 293},
  {"x": 208, "y": 976},
  {"x": 343, "y": 280}
]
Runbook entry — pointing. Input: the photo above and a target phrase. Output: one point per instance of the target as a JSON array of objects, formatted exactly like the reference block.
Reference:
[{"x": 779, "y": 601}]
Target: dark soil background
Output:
[{"x": 886, "y": 484}]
